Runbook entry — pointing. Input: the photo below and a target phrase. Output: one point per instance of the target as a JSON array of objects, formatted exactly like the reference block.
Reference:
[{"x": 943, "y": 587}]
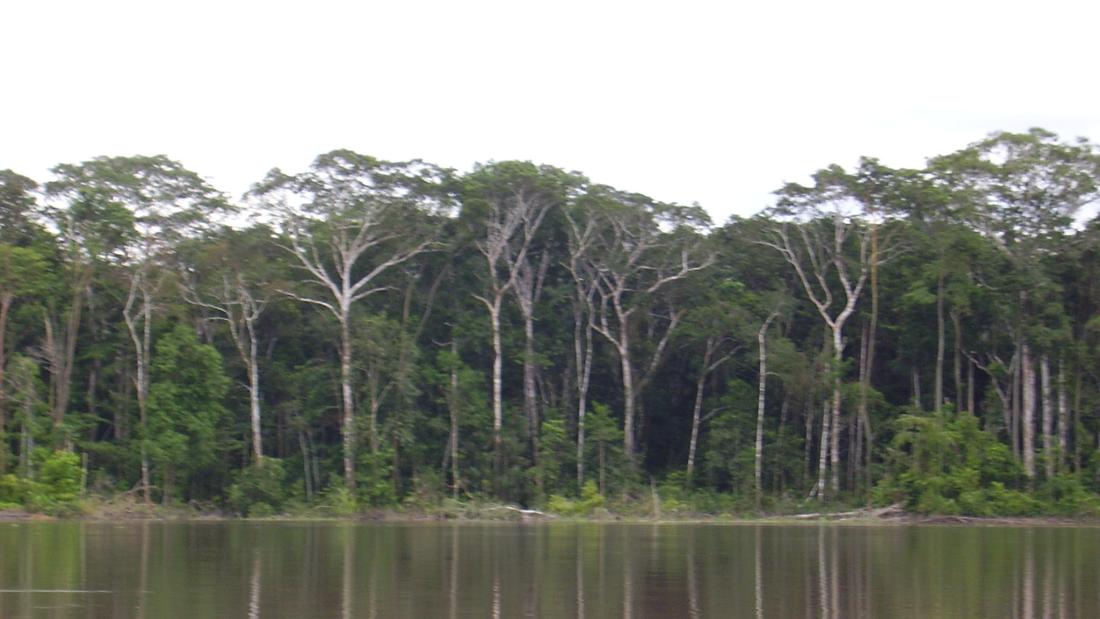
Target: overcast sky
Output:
[{"x": 706, "y": 102}]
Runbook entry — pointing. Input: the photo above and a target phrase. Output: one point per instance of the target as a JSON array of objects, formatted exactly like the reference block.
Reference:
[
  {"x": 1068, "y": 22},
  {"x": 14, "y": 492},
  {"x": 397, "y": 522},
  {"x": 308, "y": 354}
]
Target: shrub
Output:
[
  {"x": 57, "y": 489},
  {"x": 337, "y": 500},
  {"x": 258, "y": 490},
  {"x": 1065, "y": 494},
  {"x": 590, "y": 500},
  {"x": 946, "y": 464}
]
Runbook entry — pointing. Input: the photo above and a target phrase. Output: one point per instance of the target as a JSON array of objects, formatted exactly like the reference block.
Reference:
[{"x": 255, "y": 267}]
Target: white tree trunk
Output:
[
  {"x": 761, "y": 388},
  {"x": 1063, "y": 414},
  {"x": 347, "y": 417},
  {"x": 1048, "y": 416},
  {"x": 1027, "y": 374},
  {"x": 498, "y": 414}
]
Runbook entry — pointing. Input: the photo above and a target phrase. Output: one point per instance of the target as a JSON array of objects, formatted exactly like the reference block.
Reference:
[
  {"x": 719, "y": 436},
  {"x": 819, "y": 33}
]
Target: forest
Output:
[{"x": 366, "y": 334}]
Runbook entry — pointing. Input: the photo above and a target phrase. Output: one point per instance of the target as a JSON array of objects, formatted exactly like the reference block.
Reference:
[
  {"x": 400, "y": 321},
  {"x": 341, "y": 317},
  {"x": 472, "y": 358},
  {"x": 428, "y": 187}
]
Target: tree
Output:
[
  {"x": 633, "y": 260},
  {"x": 186, "y": 409},
  {"x": 350, "y": 219},
  {"x": 237, "y": 297},
  {"x": 826, "y": 222},
  {"x": 1032, "y": 184},
  {"x": 22, "y": 271},
  {"x": 509, "y": 201},
  {"x": 153, "y": 203}
]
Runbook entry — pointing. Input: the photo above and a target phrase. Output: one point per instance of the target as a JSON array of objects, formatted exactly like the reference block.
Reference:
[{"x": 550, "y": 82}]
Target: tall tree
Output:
[
  {"x": 350, "y": 220},
  {"x": 239, "y": 287},
  {"x": 826, "y": 224},
  {"x": 632, "y": 261},
  {"x": 1033, "y": 184},
  {"x": 509, "y": 202},
  {"x": 164, "y": 202}
]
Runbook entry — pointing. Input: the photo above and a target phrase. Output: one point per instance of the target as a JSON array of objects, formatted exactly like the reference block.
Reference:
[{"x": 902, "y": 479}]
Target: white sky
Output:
[{"x": 710, "y": 102}]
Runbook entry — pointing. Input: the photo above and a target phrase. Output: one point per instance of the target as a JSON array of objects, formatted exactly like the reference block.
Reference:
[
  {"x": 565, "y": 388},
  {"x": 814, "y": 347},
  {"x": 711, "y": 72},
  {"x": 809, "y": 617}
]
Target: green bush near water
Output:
[
  {"x": 946, "y": 464},
  {"x": 55, "y": 489},
  {"x": 259, "y": 490},
  {"x": 590, "y": 500}
]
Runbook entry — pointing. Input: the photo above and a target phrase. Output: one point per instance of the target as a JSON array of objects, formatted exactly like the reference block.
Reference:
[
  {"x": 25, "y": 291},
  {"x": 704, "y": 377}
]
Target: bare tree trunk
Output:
[
  {"x": 1048, "y": 416},
  {"x": 498, "y": 410},
  {"x": 142, "y": 344},
  {"x": 941, "y": 337},
  {"x": 761, "y": 388},
  {"x": 452, "y": 405},
  {"x": 823, "y": 454},
  {"x": 869, "y": 364},
  {"x": 808, "y": 441},
  {"x": 1028, "y": 416},
  {"x": 1063, "y": 414},
  {"x": 697, "y": 410},
  {"x": 866, "y": 365},
  {"x": 583, "y": 348},
  {"x": 960, "y": 401},
  {"x": 305, "y": 465},
  {"x": 1016, "y": 401},
  {"x": 916, "y": 387},
  {"x": 254, "y": 397},
  {"x": 970, "y": 402},
  {"x": 527, "y": 288},
  {"x": 347, "y": 418},
  {"x": 838, "y": 359},
  {"x": 5, "y": 305},
  {"x": 628, "y": 399},
  {"x": 530, "y": 394},
  {"x": 1078, "y": 440}
]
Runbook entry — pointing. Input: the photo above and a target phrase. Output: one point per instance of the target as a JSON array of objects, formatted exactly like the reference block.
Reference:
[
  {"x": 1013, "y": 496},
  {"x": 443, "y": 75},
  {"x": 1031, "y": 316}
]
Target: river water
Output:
[{"x": 301, "y": 570}]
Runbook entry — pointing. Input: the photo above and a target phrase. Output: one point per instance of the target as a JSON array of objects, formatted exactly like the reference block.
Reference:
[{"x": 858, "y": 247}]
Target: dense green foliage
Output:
[{"x": 391, "y": 334}]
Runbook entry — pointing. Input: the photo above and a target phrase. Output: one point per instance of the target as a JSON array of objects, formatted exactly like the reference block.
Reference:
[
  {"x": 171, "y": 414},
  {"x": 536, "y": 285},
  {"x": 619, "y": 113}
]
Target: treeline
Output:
[{"x": 371, "y": 333}]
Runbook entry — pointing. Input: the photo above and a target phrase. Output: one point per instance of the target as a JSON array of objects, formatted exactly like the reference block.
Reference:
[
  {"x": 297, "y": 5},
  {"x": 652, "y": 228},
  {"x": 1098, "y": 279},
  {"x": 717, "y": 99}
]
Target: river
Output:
[{"x": 427, "y": 570}]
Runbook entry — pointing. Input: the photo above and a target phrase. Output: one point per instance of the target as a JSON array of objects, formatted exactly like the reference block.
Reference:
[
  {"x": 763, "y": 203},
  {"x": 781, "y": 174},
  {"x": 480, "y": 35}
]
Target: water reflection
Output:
[{"x": 273, "y": 570}]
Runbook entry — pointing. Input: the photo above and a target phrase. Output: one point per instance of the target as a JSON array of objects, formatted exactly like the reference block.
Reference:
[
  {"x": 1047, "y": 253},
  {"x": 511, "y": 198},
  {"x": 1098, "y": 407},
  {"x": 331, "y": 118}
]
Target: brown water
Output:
[{"x": 76, "y": 569}]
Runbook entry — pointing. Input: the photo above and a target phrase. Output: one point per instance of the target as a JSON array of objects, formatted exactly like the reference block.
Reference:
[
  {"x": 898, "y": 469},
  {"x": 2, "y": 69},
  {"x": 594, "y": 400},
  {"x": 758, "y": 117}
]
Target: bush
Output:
[
  {"x": 374, "y": 478},
  {"x": 946, "y": 464},
  {"x": 590, "y": 500},
  {"x": 14, "y": 490},
  {"x": 337, "y": 500},
  {"x": 258, "y": 490},
  {"x": 1064, "y": 494},
  {"x": 57, "y": 489}
]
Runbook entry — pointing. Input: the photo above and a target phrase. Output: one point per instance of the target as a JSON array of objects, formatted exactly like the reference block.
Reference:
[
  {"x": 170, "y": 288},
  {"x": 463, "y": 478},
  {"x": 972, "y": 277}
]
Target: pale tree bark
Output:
[
  {"x": 350, "y": 220},
  {"x": 941, "y": 345},
  {"x": 761, "y": 389},
  {"x": 584, "y": 312},
  {"x": 527, "y": 290},
  {"x": 825, "y": 255},
  {"x": 452, "y": 409},
  {"x": 6, "y": 300},
  {"x": 960, "y": 394},
  {"x": 236, "y": 304},
  {"x": 1063, "y": 414},
  {"x": 1048, "y": 416},
  {"x": 344, "y": 285},
  {"x": 61, "y": 350},
  {"x": 509, "y": 231},
  {"x": 626, "y": 281},
  {"x": 710, "y": 363},
  {"x": 1004, "y": 391},
  {"x": 138, "y": 315},
  {"x": 867, "y": 361},
  {"x": 1027, "y": 377}
]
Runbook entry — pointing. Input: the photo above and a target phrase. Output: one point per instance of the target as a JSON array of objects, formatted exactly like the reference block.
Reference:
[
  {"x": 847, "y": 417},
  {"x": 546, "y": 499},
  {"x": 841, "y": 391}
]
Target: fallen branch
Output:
[
  {"x": 882, "y": 512},
  {"x": 525, "y": 513}
]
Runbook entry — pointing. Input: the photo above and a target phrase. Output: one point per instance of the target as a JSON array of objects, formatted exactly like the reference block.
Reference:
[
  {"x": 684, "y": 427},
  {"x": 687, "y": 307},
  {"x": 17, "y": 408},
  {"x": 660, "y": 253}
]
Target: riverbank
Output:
[{"x": 128, "y": 509}]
